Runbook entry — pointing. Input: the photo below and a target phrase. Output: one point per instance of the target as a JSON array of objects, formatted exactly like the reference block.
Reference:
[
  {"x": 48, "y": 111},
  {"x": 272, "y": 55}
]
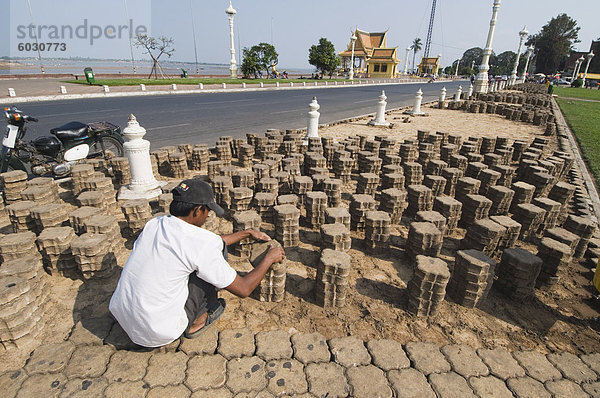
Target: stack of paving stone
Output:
[
  {"x": 377, "y": 230},
  {"x": 472, "y": 278},
  {"x": 228, "y": 170},
  {"x": 483, "y": 235},
  {"x": 78, "y": 217},
  {"x": 213, "y": 168},
  {"x": 289, "y": 199},
  {"x": 475, "y": 207},
  {"x": 393, "y": 202},
  {"x": 179, "y": 167},
  {"x": 42, "y": 190},
  {"x": 360, "y": 205},
  {"x": 272, "y": 286},
  {"x": 519, "y": 147},
  {"x": 263, "y": 203},
  {"x": 507, "y": 174},
  {"x": 458, "y": 162},
  {"x": 107, "y": 225},
  {"x": 137, "y": 212},
  {"x": 427, "y": 288},
  {"x": 474, "y": 169},
  {"x": 562, "y": 193},
  {"x": 55, "y": 246},
  {"x": 413, "y": 173},
  {"x": 316, "y": 203},
  {"x": 433, "y": 217},
  {"x": 19, "y": 214},
  {"x": 221, "y": 186},
  {"x": 552, "y": 209},
  {"x": 242, "y": 221},
  {"x": 162, "y": 160},
  {"x": 335, "y": 237},
  {"x": 337, "y": 215},
  {"x": 332, "y": 278},
  {"x": 408, "y": 152},
  {"x": 488, "y": 178},
  {"x": 79, "y": 174},
  {"x": 243, "y": 178},
  {"x": 369, "y": 164},
  {"x": 314, "y": 160},
  {"x": 23, "y": 300},
  {"x": 446, "y": 151},
  {"x": 523, "y": 194},
  {"x": 292, "y": 166},
  {"x": 333, "y": 190},
  {"x": 424, "y": 238},
  {"x": 13, "y": 183},
  {"x": 223, "y": 151},
  {"x": 93, "y": 255},
  {"x": 301, "y": 186},
  {"x": 49, "y": 215},
  {"x": 513, "y": 230},
  {"x": 17, "y": 245},
  {"x": 584, "y": 228},
  {"x": 488, "y": 144},
  {"x": 436, "y": 183},
  {"x": 188, "y": 150},
  {"x": 283, "y": 182},
  {"x": 501, "y": 198},
  {"x": 104, "y": 185},
  {"x": 367, "y": 183},
  {"x": 287, "y": 225},
  {"x": 420, "y": 198},
  {"x": 517, "y": 273},
  {"x": 452, "y": 175},
  {"x": 436, "y": 167},
  {"x": 555, "y": 257},
  {"x": 245, "y": 155},
  {"x": 542, "y": 182},
  {"x": 241, "y": 198},
  {"x": 493, "y": 159},
  {"x": 466, "y": 186},
  {"x": 451, "y": 209},
  {"x": 315, "y": 145},
  {"x": 121, "y": 170},
  {"x": 530, "y": 217},
  {"x": 164, "y": 202},
  {"x": 393, "y": 180}
]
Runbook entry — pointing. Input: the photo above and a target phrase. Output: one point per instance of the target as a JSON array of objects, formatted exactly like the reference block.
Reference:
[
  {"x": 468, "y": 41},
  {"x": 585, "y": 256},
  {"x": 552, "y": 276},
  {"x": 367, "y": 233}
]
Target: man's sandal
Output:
[{"x": 210, "y": 319}]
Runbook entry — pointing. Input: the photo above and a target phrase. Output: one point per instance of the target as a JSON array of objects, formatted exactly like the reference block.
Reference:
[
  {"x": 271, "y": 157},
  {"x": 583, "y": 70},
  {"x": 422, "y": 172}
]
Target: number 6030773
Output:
[{"x": 42, "y": 46}]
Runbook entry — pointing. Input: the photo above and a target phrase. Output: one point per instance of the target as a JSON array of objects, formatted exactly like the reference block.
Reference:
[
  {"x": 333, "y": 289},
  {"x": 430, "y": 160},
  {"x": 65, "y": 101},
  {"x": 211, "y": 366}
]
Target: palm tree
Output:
[{"x": 416, "y": 47}]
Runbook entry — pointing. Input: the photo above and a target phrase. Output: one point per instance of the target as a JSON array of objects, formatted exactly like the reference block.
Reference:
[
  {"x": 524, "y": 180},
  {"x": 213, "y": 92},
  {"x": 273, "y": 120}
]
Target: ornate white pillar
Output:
[
  {"x": 589, "y": 59},
  {"x": 529, "y": 54},
  {"x": 442, "y": 99},
  {"x": 457, "y": 65},
  {"x": 522, "y": 36},
  {"x": 406, "y": 60},
  {"x": 351, "y": 74},
  {"x": 458, "y": 94},
  {"x": 416, "y": 110},
  {"x": 230, "y": 11},
  {"x": 312, "y": 128},
  {"x": 580, "y": 59},
  {"x": 380, "y": 115},
  {"x": 481, "y": 81},
  {"x": 143, "y": 184},
  {"x": 470, "y": 92}
]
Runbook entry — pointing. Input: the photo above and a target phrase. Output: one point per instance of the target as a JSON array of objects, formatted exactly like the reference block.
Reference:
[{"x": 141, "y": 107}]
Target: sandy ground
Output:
[{"x": 564, "y": 318}]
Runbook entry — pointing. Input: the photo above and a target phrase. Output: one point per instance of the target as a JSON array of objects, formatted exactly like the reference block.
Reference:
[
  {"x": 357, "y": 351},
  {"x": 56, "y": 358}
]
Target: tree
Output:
[
  {"x": 416, "y": 47},
  {"x": 323, "y": 57},
  {"x": 250, "y": 66},
  {"x": 554, "y": 43},
  {"x": 258, "y": 57},
  {"x": 504, "y": 63},
  {"x": 156, "y": 48}
]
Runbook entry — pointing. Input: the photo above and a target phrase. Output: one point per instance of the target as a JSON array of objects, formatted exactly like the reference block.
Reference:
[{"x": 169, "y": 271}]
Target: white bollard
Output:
[
  {"x": 106, "y": 89},
  {"x": 303, "y": 84},
  {"x": 262, "y": 84},
  {"x": 417, "y": 107},
  {"x": 143, "y": 184},
  {"x": 316, "y": 83},
  {"x": 380, "y": 115},
  {"x": 11, "y": 92},
  {"x": 200, "y": 86},
  {"x": 325, "y": 83},
  {"x": 223, "y": 85},
  {"x": 335, "y": 83},
  {"x": 276, "y": 84},
  {"x": 174, "y": 87},
  {"x": 63, "y": 90},
  {"x": 291, "y": 84},
  {"x": 312, "y": 128},
  {"x": 142, "y": 87},
  {"x": 344, "y": 83},
  {"x": 442, "y": 100},
  {"x": 458, "y": 94},
  {"x": 243, "y": 85},
  {"x": 470, "y": 92}
]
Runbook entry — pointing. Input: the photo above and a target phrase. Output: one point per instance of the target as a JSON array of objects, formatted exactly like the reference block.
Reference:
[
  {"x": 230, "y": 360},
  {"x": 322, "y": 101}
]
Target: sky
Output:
[{"x": 291, "y": 26}]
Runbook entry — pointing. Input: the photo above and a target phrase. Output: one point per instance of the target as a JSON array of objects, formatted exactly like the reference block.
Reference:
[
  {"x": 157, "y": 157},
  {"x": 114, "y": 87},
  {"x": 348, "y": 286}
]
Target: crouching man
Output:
[{"x": 169, "y": 284}]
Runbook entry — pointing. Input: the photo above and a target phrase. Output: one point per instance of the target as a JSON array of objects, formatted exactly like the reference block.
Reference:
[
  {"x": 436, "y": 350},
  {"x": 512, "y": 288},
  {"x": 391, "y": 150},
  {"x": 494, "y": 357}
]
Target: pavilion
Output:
[{"x": 372, "y": 57}]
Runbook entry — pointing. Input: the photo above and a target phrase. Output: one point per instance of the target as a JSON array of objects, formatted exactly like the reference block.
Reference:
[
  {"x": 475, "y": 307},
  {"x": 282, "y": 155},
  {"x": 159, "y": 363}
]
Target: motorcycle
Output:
[{"x": 56, "y": 154}]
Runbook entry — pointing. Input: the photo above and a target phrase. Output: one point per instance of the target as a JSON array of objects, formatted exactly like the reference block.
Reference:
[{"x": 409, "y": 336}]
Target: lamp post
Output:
[
  {"x": 580, "y": 59},
  {"x": 230, "y": 11},
  {"x": 351, "y": 74},
  {"x": 406, "y": 61},
  {"x": 589, "y": 59},
  {"x": 481, "y": 82},
  {"x": 522, "y": 36},
  {"x": 574, "y": 76},
  {"x": 529, "y": 54},
  {"x": 457, "y": 65}
]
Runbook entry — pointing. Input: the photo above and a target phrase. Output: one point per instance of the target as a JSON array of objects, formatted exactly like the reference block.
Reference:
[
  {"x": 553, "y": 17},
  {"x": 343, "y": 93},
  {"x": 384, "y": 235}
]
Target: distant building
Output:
[
  {"x": 372, "y": 57},
  {"x": 594, "y": 64},
  {"x": 429, "y": 66}
]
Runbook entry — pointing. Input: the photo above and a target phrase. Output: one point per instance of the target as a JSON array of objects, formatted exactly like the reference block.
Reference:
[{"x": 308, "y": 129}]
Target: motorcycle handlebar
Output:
[{"x": 31, "y": 119}]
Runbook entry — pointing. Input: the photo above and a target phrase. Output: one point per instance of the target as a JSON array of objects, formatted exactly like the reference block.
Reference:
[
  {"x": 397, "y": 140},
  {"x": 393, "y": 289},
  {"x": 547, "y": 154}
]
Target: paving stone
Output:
[
  {"x": 526, "y": 387},
  {"x": 84, "y": 388},
  {"x": 592, "y": 388},
  {"x": 88, "y": 361},
  {"x": 254, "y": 394},
  {"x": 286, "y": 377},
  {"x": 368, "y": 381},
  {"x": 91, "y": 331},
  {"x": 126, "y": 390},
  {"x": 326, "y": 380},
  {"x": 166, "y": 368},
  {"x": 310, "y": 347},
  {"x": 450, "y": 385},
  {"x": 205, "y": 344},
  {"x": 127, "y": 366},
  {"x": 409, "y": 383},
  {"x": 593, "y": 361},
  {"x": 179, "y": 391},
  {"x": 464, "y": 360},
  {"x": 45, "y": 385},
  {"x": 349, "y": 351},
  {"x": 572, "y": 367},
  {"x": 536, "y": 365},
  {"x": 501, "y": 363},
  {"x": 427, "y": 358},
  {"x": 206, "y": 371},
  {"x": 215, "y": 393},
  {"x": 489, "y": 387},
  {"x": 274, "y": 344},
  {"x": 564, "y": 388},
  {"x": 49, "y": 358},
  {"x": 11, "y": 381},
  {"x": 246, "y": 374},
  {"x": 388, "y": 354},
  {"x": 236, "y": 343}
]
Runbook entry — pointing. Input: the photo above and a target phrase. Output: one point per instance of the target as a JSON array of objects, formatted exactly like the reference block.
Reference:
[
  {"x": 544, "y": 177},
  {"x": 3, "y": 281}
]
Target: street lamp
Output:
[
  {"x": 529, "y": 54},
  {"x": 513, "y": 77},
  {"x": 481, "y": 82},
  {"x": 580, "y": 59},
  {"x": 406, "y": 61},
  {"x": 589, "y": 59},
  {"x": 230, "y": 11},
  {"x": 457, "y": 65},
  {"x": 573, "y": 77},
  {"x": 353, "y": 40}
]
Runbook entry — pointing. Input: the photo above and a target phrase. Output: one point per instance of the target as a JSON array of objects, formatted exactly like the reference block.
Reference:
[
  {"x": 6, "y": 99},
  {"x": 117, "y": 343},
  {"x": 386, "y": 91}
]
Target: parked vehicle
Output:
[{"x": 57, "y": 153}]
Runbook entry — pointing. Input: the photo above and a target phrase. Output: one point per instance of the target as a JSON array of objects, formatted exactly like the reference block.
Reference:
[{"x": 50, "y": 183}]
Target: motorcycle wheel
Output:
[{"x": 112, "y": 146}]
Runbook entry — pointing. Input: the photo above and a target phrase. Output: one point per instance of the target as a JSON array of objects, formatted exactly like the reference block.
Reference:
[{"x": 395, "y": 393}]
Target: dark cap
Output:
[{"x": 197, "y": 192}]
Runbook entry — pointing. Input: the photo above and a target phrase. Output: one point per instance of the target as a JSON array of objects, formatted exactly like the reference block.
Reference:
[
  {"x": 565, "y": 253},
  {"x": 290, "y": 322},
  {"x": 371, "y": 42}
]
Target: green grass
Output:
[
  {"x": 161, "y": 82},
  {"x": 584, "y": 118},
  {"x": 570, "y": 92}
]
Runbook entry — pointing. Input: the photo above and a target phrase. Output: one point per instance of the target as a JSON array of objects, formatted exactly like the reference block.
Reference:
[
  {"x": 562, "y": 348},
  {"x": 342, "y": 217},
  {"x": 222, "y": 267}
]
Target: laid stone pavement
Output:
[{"x": 96, "y": 362}]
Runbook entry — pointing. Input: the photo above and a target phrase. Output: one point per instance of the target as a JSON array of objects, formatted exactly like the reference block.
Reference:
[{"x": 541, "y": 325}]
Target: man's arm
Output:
[
  {"x": 242, "y": 286},
  {"x": 238, "y": 236}
]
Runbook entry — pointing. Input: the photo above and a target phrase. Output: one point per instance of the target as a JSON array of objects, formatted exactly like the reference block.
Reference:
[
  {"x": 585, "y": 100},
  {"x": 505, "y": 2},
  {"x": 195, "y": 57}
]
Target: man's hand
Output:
[
  {"x": 275, "y": 255},
  {"x": 258, "y": 235}
]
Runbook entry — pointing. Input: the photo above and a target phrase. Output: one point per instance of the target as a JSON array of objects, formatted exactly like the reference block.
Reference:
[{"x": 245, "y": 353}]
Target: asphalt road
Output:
[{"x": 203, "y": 117}]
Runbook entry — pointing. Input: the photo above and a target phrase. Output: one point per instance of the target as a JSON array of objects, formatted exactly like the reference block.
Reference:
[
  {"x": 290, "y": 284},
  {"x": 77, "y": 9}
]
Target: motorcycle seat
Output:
[{"x": 70, "y": 131}]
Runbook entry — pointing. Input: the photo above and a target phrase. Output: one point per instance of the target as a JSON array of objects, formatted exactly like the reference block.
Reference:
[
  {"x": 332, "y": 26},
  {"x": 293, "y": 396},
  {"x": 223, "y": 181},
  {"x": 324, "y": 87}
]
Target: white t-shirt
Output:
[{"x": 150, "y": 297}]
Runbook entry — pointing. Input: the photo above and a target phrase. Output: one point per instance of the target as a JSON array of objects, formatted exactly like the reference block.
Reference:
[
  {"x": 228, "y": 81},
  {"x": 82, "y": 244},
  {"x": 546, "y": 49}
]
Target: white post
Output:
[
  {"x": 106, "y": 89},
  {"x": 458, "y": 93},
  {"x": 63, "y": 90},
  {"x": 529, "y": 54},
  {"x": 417, "y": 107},
  {"x": 442, "y": 99},
  {"x": 470, "y": 93},
  {"x": 580, "y": 59},
  {"x": 230, "y": 11},
  {"x": 276, "y": 84},
  {"x": 380, "y": 115},
  {"x": 223, "y": 85},
  {"x": 481, "y": 82},
  {"x": 243, "y": 85},
  {"x": 406, "y": 61},
  {"x": 312, "y": 128},
  {"x": 291, "y": 84},
  {"x": 11, "y": 92},
  {"x": 174, "y": 87},
  {"x": 316, "y": 83},
  {"x": 261, "y": 84},
  {"x": 303, "y": 84},
  {"x": 457, "y": 65},
  {"x": 575, "y": 70},
  {"x": 326, "y": 83},
  {"x": 589, "y": 59},
  {"x": 351, "y": 74},
  {"x": 143, "y": 184},
  {"x": 142, "y": 87},
  {"x": 522, "y": 36},
  {"x": 200, "y": 86}
]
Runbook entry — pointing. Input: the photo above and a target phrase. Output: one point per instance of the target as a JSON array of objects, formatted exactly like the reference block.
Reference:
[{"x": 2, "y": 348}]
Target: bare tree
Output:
[{"x": 156, "y": 48}]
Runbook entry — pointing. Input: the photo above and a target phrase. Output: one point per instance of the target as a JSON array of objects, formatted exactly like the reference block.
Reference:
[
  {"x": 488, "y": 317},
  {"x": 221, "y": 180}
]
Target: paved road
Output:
[{"x": 203, "y": 117}]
